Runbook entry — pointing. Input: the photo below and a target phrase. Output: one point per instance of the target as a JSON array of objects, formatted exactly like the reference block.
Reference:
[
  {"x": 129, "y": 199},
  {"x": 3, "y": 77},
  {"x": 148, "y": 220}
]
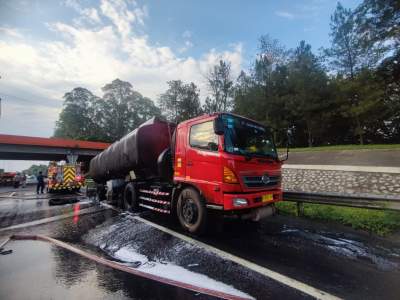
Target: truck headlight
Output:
[{"x": 237, "y": 202}]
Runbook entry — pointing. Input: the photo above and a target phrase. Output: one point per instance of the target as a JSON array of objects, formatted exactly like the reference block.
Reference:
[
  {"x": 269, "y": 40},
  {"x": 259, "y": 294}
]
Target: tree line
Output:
[{"x": 345, "y": 94}]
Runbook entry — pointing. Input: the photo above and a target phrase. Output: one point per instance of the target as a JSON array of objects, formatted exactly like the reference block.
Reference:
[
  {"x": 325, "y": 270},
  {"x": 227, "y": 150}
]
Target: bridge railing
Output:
[{"x": 382, "y": 202}]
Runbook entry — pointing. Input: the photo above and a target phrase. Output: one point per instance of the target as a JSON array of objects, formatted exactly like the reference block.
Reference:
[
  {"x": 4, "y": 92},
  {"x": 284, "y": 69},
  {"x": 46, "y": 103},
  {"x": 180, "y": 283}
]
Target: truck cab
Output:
[{"x": 231, "y": 161}]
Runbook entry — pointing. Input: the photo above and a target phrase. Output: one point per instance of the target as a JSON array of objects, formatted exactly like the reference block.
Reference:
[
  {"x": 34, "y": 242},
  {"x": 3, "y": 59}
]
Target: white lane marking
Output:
[
  {"x": 370, "y": 169},
  {"x": 295, "y": 284},
  {"x": 52, "y": 219}
]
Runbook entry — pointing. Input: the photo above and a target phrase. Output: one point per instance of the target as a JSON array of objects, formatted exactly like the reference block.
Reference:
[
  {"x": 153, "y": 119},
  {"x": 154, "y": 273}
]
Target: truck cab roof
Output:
[{"x": 207, "y": 116}]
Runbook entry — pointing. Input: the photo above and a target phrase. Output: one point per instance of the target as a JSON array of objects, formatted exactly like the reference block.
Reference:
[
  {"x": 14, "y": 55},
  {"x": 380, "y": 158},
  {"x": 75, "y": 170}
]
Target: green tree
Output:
[
  {"x": 350, "y": 56},
  {"x": 308, "y": 95},
  {"x": 124, "y": 109},
  {"x": 362, "y": 99},
  {"x": 190, "y": 103},
  {"x": 261, "y": 95},
  {"x": 220, "y": 84},
  {"x": 87, "y": 117},
  {"x": 180, "y": 101},
  {"x": 169, "y": 101},
  {"x": 379, "y": 24},
  {"x": 379, "y": 21},
  {"x": 389, "y": 74},
  {"x": 77, "y": 119},
  {"x": 35, "y": 169},
  {"x": 248, "y": 97}
]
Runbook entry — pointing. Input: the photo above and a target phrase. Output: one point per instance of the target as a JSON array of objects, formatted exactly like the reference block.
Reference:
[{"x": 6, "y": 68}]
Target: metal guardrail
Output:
[{"x": 382, "y": 202}]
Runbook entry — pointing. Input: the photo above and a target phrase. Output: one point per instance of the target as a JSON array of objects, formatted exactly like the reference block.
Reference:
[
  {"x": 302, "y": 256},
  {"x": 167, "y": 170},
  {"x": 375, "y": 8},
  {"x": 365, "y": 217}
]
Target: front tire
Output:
[{"x": 191, "y": 211}]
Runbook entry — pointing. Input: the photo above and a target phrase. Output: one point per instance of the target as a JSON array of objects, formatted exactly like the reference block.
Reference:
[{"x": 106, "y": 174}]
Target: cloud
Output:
[
  {"x": 122, "y": 16},
  {"x": 89, "y": 55},
  {"x": 186, "y": 47},
  {"x": 285, "y": 14},
  {"x": 92, "y": 15},
  {"x": 10, "y": 32},
  {"x": 89, "y": 15}
]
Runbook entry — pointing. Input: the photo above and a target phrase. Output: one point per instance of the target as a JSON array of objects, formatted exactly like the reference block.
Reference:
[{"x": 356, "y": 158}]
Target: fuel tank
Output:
[{"x": 138, "y": 151}]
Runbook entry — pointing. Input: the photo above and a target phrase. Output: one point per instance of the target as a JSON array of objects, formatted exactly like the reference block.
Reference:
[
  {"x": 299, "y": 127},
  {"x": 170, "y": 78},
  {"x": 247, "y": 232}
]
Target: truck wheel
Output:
[
  {"x": 131, "y": 201},
  {"x": 191, "y": 211},
  {"x": 101, "y": 192}
]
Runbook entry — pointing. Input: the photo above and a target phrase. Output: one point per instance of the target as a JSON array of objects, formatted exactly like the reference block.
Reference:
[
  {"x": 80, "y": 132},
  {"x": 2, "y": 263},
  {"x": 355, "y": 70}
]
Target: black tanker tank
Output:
[{"x": 138, "y": 151}]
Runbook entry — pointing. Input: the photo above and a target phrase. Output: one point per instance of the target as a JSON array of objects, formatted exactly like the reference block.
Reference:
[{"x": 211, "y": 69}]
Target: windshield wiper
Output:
[
  {"x": 247, "y": 156},
  {"x": 264, "y": 156}
]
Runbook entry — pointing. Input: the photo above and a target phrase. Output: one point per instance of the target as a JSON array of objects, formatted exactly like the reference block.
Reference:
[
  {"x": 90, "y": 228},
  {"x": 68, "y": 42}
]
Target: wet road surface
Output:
[
  {"x": 336, "y": 259},
  {"x": 24, "y": 205},
  {"x": 40, "y": 271}
]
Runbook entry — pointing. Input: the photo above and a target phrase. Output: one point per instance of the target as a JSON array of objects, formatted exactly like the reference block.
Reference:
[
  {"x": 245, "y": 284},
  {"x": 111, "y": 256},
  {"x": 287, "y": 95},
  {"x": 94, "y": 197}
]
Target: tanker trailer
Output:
[{"x": 134, "y": 157}]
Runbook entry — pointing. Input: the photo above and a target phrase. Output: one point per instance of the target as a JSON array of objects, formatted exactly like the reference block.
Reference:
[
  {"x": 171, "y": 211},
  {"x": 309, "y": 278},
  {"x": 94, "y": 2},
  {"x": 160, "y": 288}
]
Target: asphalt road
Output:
[
  {"x": 335, "y": 259},
  {"x": 380, "y": 158},
  {"x": 24, "y": 205}
]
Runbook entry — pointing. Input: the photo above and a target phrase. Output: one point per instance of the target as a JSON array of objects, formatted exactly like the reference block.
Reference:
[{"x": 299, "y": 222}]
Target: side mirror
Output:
[{"x": 219, "y": 128}]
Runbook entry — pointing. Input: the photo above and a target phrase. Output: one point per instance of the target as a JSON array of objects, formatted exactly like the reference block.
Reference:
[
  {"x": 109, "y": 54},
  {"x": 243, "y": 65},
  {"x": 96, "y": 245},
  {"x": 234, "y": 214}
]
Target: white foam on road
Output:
[
  {"x": 290, "y": 282},
  {"x": 281, "y": 278},
  {"x": 175, "y": 272}
]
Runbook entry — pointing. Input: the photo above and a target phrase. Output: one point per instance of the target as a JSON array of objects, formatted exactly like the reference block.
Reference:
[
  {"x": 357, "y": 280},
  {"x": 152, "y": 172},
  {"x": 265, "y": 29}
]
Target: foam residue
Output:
[{"x": 175, "y": 272}]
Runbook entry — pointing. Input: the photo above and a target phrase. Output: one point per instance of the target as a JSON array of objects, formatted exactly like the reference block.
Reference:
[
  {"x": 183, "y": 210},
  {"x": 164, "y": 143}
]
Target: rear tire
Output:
[
  {"x": 101, "y": 192},
  {"x": 131, "y": 200},
  {"x": 191, "y": 211}
]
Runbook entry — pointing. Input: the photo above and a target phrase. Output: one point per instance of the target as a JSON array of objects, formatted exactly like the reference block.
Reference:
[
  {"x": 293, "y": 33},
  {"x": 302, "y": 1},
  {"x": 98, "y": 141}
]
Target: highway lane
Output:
[
  {"x": 366, "y": 157},
  {"x": 335, "y": 259},
  {"x": 24, "y": 205},
  {"x": 116, "y": 236}
]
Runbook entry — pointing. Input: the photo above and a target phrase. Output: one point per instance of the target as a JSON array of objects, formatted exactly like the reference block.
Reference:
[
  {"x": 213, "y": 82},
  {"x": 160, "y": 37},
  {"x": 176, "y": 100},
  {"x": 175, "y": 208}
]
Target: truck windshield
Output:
[{"x": 247, "y": 138}]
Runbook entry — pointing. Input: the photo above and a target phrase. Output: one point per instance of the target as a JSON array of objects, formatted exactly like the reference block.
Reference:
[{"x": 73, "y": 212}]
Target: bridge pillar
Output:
[{"x": 72, "y": 158}]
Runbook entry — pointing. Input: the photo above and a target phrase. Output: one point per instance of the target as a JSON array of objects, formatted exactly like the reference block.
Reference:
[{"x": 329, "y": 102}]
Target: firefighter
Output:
[{"x": 40, "y": 183}]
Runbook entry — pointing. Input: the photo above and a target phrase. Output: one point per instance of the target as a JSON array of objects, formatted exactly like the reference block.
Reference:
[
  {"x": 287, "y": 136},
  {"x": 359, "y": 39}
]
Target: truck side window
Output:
[{"x": 202, "y": 136}]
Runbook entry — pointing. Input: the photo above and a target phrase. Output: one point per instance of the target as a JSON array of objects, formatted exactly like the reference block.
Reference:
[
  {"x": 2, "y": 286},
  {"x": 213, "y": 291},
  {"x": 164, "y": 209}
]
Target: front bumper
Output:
[{"x": 254, "y": 200}]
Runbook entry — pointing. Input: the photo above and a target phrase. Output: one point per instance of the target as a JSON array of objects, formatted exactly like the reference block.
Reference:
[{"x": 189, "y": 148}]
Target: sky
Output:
[{"x": 49, "y": 47}]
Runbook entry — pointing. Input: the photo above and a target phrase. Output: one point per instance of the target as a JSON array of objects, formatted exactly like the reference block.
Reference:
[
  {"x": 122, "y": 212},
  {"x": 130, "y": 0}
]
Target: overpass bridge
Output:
[{"x": 14, "y": 147}]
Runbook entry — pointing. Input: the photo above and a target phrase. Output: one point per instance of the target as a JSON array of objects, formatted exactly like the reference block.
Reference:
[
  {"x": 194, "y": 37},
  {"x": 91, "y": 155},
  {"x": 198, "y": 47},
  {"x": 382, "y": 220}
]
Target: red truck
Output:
[
  {"x": 220, "y": 162},
  {"x": 9, "y": 178}
]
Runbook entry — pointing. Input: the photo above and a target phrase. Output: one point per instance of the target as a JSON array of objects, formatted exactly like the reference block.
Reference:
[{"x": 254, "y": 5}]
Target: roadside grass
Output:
[
  {"x": 343, "y": 147},
  {"x": 373, "y": 221}
]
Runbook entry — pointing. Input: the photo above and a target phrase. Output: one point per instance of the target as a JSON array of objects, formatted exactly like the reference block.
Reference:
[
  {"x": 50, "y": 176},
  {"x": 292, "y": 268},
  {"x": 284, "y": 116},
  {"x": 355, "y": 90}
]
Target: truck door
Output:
[
  {"x": 203, "y": 166},
  {"x": 180, "y": 152}
]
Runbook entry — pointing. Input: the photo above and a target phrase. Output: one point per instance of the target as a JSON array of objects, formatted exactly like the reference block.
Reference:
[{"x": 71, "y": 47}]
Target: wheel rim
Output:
[{"x": 189, "y": 211}]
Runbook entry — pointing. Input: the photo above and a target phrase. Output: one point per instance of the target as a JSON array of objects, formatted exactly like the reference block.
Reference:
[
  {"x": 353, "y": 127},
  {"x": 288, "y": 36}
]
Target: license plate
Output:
[{"x": 266, "y": 198}]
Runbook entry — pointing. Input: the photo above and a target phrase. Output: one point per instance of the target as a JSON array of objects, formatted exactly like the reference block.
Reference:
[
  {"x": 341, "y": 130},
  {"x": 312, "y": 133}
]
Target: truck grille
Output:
[{"x": 257, "y": 182}]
